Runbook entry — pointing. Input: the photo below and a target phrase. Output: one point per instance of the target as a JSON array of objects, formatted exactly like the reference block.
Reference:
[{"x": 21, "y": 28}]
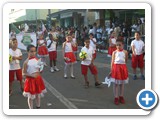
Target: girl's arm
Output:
[
  {"x": 126, "y": 55},
  {"x": 63, "y": 47},
  {"x": 113, "y": 58}
]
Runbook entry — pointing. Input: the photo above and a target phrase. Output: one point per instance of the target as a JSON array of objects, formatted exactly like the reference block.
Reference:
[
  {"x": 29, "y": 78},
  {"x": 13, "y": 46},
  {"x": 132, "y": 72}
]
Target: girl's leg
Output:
[
  {"x": 71, "y": 67},
  {"x": 30, "y": 103},
  {"x": 21, "y": 84},
  {"x": 115, "y": 90},
  {"x": 50, "y": 62},
  {"x": 38, "y": 101},
  {"x": 122, "y": 90},
  {"x": 121, "y": 98},
  {"x": 44, "y": 60},
  {"x": 65, "y": 70}
]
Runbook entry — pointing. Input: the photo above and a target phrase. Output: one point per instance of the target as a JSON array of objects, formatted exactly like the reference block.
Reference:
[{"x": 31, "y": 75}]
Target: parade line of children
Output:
[{"x": 34, "y": 87}]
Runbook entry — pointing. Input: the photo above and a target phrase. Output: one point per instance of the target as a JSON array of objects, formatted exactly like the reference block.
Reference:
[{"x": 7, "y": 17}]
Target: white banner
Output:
[{"x": 26, "y": 39}]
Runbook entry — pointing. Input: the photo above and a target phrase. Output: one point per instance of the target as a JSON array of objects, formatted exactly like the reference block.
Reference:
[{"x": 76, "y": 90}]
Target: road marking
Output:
[
  {"x": 59, "y": 96},
  {"x": 77, "y": 100}
]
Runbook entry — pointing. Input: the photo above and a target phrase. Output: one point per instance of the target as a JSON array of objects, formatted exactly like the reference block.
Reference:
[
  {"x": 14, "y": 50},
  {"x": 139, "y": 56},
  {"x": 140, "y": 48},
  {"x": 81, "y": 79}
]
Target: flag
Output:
[
  {"x": 13, "y": 27},
  {"x": 43, "y": 27},
  {"x": 26, "y": 27}
]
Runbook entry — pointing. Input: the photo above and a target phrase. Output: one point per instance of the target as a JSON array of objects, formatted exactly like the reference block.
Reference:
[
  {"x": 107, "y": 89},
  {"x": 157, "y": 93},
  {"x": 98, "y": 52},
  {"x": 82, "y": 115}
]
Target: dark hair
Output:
[
  {"x": 86, "y": 40},
  {"x": 138, "y": 32},
  {"x": 91, "y": 34},
  {"x": 13, "y": 39},
  {"x": 119, "y": 40},
  {"x": 29, "y": 47}
]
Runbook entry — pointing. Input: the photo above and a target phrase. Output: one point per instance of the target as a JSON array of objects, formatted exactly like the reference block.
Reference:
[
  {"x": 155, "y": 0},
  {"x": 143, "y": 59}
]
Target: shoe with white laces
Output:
[
  {"x": 52, "y": 70},
  {"x": 56, "y": 69}
]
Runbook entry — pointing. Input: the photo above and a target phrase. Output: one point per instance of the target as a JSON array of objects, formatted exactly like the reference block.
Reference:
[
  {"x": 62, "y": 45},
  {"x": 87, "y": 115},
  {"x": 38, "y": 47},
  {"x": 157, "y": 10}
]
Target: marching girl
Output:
[
  {"x": 34, "y": 86},
  {"x": 52, "y": 50},
  {"x": 119, "y": 72},
  {"x": 42, "y": 50},
  {"x": 68, "y": 56},
  {"x": 75, "y": 45},
  {"x": 112, "y": 44}
]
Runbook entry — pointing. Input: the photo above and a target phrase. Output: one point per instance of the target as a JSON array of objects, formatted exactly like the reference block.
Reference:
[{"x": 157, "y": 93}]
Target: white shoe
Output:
[
  {"x": 52, "y": 70},
  {"x": 65, "y": 76},
  {"x": 56, "y": 69}
]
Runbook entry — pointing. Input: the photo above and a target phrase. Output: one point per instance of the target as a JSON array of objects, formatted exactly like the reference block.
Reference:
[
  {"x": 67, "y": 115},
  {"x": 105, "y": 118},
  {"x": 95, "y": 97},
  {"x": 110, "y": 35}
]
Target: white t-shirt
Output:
[
  {"x": 92, "y": 43},
  {"x": 15, "y": 64},
  {"x": 90, "y": 53},
  {"x": 53, "y": 45},
  {"x": 39, "y": 33},
  {"x": 119, "y": 57},
  {"x": 138, "y": 44}
]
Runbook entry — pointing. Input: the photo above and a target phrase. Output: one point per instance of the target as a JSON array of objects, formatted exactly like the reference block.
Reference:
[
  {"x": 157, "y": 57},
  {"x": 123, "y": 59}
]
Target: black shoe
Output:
[
  {"x": 38, "y": 107},
  {"x": 97, "y": 84}
]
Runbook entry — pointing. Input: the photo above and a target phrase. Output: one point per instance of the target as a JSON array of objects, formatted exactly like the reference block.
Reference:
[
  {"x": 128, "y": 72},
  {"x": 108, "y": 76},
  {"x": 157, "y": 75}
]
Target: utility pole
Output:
[{"x": 49, "y": 18}]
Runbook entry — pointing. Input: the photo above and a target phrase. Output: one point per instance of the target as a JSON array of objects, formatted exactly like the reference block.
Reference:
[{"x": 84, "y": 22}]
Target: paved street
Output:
[{"x": 71, "y": 94}]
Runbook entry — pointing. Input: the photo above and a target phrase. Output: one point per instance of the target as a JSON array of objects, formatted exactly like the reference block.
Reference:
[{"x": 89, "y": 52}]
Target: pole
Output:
[{"x": 36, "y": 18}]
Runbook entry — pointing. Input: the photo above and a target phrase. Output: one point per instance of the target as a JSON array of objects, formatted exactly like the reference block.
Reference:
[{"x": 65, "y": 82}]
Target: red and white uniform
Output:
[
  {"x": 33, "y": 86},
  {"x": 119, "y": 72},
  {"x": 52, "y": 50},
  {"x": 75, "y": 48},
  {"x": 111, "y": 48},
  {"x": 137, "y": 61},
  {"x": 85, "y": 64},
  {"x": 42, "y": 50},
  {"x": 93, "y": 46},
  {"x": 14, "y": 66},
  {"x": 69, "y": 53}
]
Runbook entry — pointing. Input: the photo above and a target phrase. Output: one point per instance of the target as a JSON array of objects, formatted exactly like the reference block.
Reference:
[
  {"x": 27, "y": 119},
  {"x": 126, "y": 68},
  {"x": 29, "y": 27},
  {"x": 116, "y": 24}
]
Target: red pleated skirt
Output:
[
  {"x": 74, "y": 48},
  {"x": 71, "y": 57},
  {"x": 111, "y": 49},
  {"x": 33, "y": 87},
  {"x": 42, "y": 51},
  {"x": 119, "y": 73}
]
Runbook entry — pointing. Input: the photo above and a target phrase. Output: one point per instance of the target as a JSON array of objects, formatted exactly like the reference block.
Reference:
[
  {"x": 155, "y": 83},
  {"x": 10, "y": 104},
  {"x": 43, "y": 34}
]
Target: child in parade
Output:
[
  {"x": 42, "y": 50},
  {"x": 34, "y": 86},
  {"x": 137, "y": 46},
  {"x": 93, "y": 42},
  {"x": 52, "y": 50},
  {"x": 68, "y": 56},
  {"x": 88, "y": 63},
  {"x": 15, "y": 68},
  {"x": 112, "y": 44},
  {"x": 119, "y": 72}
]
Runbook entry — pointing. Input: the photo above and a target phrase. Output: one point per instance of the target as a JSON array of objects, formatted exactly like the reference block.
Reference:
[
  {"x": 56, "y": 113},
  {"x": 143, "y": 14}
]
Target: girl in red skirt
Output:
[
  {"x": 119, "y": 72},
  {"x": 112, "y": 44},
  {"x": 34, "y": 86},
  {"x": 42, "y": 49},
  {"x": 68, "y": 56}
]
